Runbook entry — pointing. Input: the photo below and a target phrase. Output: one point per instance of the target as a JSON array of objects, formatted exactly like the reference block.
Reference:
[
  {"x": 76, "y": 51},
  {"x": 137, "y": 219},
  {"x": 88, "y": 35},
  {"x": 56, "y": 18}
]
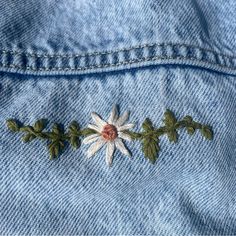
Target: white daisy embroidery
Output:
[{"x": 111, "y": 133}]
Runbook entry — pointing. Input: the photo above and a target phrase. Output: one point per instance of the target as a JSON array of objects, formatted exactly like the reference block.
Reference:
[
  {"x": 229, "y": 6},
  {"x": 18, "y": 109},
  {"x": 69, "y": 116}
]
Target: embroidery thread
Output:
[
  {"x": 57, "y": 138},
  {"x": 150, "y": 135},
  {"x": 111, "y": 133}
]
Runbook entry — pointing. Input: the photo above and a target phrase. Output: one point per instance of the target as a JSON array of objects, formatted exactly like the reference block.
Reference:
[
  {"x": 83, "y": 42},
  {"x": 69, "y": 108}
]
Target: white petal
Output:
[
  {"x": 124, "y": 136},
  {"x": 121, "y": 147},
  {"x": 125, "y": 127},
  {"x": 122, "y": 119},
  {"x": 109, "y": 152},
  {"x": 95, "y": 147},
  {"x": 91, "y": 138},
  {"x": 98, "y": 120},
  {"x": 113, "y": 116},
  {"x": 94, "y": 127}
]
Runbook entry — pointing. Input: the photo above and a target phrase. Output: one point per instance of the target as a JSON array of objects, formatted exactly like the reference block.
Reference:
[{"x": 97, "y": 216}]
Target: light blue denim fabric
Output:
[{"x": 62, "y": 60}]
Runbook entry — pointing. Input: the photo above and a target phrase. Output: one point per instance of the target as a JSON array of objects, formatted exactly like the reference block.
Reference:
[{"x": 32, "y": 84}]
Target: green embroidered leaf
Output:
[
  {"x": 207, "y": 132},
  {"x": 188, "y": 119},
  {"x": 170, "y": 122},
  {"x": 150, "y": 149},
  {"x": 190, "y": 130},
  {"x": 169, "y": 119},
  {"x": 52, "y": 136},
  {"x": 27, "y": 138},
  {"x": 147, "y": 125},
  {"x": 40, "y": 125},
  {"x": 160, "y": 131},
  {"x": 132, "y": 134},
  {"x": 61, "y": 145},
  {"x": 75, "y": 142},
  {"x": 55, "y": 148},
  {"x": 87, "y": 132},
  {"x": 57, "y": 129},
  {"x": 27, "y": 128},
  {"x": 173, "y": 136},
  {"x": 13, "y": 125},
  {"x": 74, "y": 127},
  {"x": 74, "y": 134}
]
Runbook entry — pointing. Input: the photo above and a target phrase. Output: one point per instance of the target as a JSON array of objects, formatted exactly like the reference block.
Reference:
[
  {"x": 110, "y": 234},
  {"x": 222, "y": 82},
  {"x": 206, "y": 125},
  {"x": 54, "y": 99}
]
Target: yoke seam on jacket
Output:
[
  {"x": 150, "y": 53},
  {"x": 97, "y": 53},
  {"x": 113, "y": 65}
]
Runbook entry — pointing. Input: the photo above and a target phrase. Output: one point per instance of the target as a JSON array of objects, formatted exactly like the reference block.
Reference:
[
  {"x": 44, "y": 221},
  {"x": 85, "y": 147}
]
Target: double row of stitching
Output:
[
  {"x": 175, "y": 53},
  {"x": 96, "y": 53},
  {"x": 115, "y": 65}
]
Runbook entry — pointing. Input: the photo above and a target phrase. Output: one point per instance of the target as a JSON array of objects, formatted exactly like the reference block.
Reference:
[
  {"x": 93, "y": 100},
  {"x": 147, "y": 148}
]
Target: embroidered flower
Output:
[{"x": 110, "y": 133}]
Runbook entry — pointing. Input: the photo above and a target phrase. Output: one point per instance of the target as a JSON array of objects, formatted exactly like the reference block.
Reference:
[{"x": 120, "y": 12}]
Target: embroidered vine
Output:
[
  {"x": 150, "y": 135},
  {"x": 57, "y": 138},
  {"x": 110, "y": 133}
]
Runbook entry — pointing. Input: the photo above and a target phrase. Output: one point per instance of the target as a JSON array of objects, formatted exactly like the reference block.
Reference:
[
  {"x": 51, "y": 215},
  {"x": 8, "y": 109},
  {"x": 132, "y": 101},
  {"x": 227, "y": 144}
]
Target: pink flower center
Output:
[{"x": 109, "y": 132}]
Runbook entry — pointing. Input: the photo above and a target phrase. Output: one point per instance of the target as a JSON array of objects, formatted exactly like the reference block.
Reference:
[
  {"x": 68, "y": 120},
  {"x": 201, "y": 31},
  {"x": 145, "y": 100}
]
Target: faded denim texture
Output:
[{"x": 62, "y": 60}]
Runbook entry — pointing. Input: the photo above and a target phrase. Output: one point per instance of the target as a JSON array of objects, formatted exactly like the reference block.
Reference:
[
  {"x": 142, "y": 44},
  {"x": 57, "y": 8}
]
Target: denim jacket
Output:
[{"x": 74, "y": 60}]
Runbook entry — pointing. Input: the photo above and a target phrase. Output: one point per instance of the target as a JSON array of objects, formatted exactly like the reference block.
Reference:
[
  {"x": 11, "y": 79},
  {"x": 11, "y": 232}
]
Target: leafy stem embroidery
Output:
[
  {"x": 150, "y": 135},
  {"x": 57, "y": 138},
  {"x": 111, "y": 133}
]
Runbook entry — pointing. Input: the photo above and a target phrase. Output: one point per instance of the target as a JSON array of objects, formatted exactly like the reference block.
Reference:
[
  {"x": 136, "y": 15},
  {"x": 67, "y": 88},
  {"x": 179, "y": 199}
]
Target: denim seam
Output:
[
  {"x": 97, "y": 53},
  {"x": 83, "y": 63},
  {"x": 113, "y": 65}
]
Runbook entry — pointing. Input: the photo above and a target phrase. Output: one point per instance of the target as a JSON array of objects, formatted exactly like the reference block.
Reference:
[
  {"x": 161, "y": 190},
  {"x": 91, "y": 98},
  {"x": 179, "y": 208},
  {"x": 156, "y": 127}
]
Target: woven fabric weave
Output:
[{"x": 63, "y": 60}]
